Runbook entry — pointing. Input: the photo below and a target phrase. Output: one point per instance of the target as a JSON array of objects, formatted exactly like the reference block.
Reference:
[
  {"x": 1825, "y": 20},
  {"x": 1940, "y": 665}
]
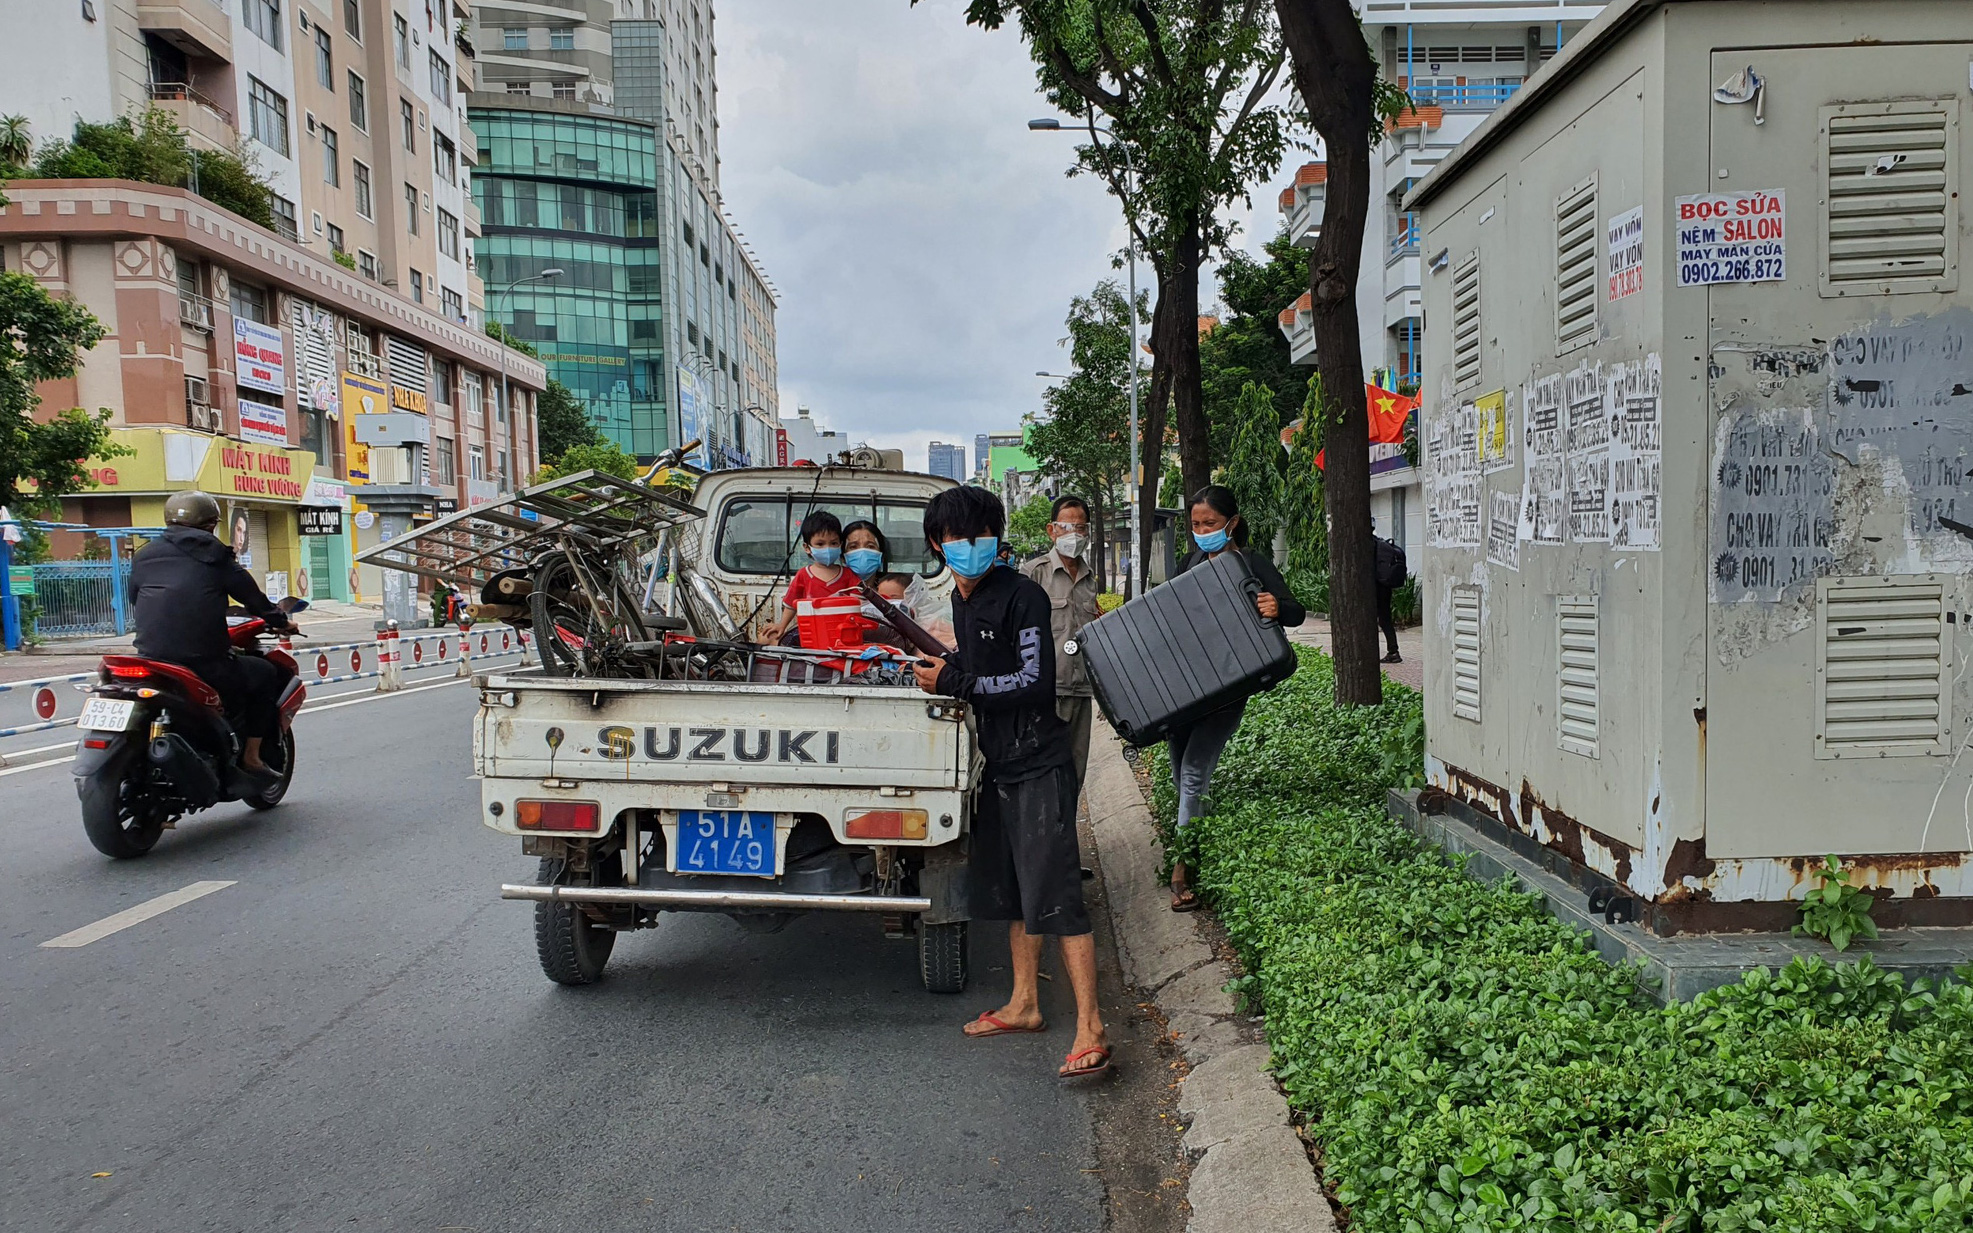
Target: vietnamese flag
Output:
[{"x": 1388, "y": 413}]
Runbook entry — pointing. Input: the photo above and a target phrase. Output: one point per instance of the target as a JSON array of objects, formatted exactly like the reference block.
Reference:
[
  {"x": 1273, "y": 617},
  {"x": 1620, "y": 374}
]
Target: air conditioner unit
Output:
[{"x": 195, "y": 313}]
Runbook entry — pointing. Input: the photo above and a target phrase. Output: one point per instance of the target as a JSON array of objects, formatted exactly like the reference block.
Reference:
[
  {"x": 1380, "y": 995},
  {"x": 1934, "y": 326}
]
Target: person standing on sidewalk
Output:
[
  {"x": 1071, "y": 587},
  {"x": 1216, "y": 528},
  {"x": 1388, "y": 573},
  {"x": 1026, "y": 867}
]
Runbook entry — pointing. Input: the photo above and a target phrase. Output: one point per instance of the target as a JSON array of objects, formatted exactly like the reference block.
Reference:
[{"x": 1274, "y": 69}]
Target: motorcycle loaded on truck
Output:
[{"x": 660, "y": 759}]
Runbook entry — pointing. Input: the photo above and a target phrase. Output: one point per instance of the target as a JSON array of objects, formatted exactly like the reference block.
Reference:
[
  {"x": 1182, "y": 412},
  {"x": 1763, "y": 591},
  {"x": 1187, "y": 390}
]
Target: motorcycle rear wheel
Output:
[
  {"x": 281, "y": 757},
  {"x": 121, "y": 821}
]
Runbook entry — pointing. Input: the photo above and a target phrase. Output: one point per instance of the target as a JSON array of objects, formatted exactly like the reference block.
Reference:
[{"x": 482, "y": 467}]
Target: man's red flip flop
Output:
[
  {"x": 1072, "y": 1071},
  {"x": 996, "y": 1026}
]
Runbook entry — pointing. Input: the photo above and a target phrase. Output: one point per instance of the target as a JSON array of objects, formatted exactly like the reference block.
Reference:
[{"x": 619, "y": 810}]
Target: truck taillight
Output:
[
  {"x": 885, "y": 824},
  {"x": 558, "y": 815}
]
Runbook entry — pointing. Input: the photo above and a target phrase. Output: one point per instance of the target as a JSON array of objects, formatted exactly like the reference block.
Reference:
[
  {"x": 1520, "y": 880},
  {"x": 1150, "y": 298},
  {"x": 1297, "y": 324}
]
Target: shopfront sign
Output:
[
  {"x": 325, "y": 491},
  {"x": 361, "y": 396},
  {"x": 260, "y": 358},
  {"x": 320, "y": 520},
  {"x": 408, "y": 399},
  {"x": 256, "y": 474},
  {"x": 262, "y": 424}
]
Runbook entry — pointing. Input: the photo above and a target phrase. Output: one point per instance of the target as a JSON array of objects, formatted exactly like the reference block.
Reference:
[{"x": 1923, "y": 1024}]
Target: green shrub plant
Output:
[{"x": 1468, "y": 1064}]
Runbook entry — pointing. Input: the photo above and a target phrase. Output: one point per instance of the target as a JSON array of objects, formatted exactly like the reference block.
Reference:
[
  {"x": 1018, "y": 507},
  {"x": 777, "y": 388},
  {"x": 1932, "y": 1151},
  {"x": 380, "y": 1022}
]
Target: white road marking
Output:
[
  {"x": 306, "y": 710},
  {"x": 22, "y": 753},
  {"x": 137, "y": 915}
]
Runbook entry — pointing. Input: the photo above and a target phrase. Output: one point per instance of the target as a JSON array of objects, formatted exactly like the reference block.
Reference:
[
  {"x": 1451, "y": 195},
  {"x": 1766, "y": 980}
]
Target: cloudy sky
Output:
[{"x": 924, "y": 242}]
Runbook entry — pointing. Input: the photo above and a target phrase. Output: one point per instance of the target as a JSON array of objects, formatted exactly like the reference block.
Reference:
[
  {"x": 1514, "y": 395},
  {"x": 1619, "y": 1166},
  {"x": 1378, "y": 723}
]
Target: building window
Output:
[
  {"x": 454, "y": 304},
  {"x": 411, "y": 208},
  {"x": 445, "y": 158},
  {"x": 284, "y": 216},
  {"x": 264, "y": 19},
  {"x": 441, "y": 80},
  {"x": 401, "y": 30},
  {"x": 502, "y": 473},
  {"x": 366, "y": 264},
  {"x": 359, "y": 104},
  {"x": 514, "y": 39},
  {"x": 476, "y": 457},
  {"x": 331, "y": 163},
  {"x": 409, "y": 119},
  {"x": 365, "y": 204},
  {"x": 447, "y": 455},
  {"x": 562, "y": 39},
  {"x": 448, "y": 235},
  {"x": 563, "y": 90},
  {"x": 325, "y": 67},
  {"x": 250, "y": 302},
  {"x": 353, "y": 19},
  {"x": 336, "y": 237},
  {"x": 520, "y": 87},
  {"x": 442, "y": 383},
  {"x": 267, "y": 116},
  {"x": 417, "y": 287}
]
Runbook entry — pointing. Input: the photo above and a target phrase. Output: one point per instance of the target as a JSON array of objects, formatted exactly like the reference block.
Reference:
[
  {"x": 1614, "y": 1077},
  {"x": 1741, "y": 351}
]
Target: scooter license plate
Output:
[
  {"x": 711, "y": 841},
  {"x": 107, "y": 715}
]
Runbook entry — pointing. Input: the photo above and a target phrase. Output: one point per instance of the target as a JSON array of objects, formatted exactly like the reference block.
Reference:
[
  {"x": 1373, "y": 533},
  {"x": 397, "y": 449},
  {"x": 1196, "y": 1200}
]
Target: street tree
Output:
[
  {"x": 1083, "y": 432},
  {"x": 1247, "y": 344},
  {"x": 1256, "y": 466},
  {"x": 561, "y": 423},
  {"x": 42, "y": 339},
  {"x": 1185, "y": 85},
  {"x": 1027, "y": 527},
  {"x": 1346, "y": 104},
  {"x": 603, "y": 455}
]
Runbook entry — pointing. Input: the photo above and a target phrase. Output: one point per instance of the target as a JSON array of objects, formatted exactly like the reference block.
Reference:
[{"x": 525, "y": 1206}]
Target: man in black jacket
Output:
[
  {"x": 179, "y": 585},
  {"x": 1026, "y": 867}
]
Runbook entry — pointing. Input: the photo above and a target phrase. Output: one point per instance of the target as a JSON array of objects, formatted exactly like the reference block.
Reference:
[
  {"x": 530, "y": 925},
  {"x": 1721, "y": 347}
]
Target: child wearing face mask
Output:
[{"x": 822, "y": 536}]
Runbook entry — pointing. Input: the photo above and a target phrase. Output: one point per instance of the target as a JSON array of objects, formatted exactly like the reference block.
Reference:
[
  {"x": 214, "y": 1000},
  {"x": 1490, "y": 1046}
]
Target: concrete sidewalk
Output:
[
  {"x": 1411, "y": 645},
  {"x": 1252, "y": 1173}
]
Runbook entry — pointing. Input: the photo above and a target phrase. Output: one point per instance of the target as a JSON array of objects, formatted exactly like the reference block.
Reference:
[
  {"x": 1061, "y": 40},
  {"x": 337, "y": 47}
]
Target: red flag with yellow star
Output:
[{"x": 1388, "y": 413}]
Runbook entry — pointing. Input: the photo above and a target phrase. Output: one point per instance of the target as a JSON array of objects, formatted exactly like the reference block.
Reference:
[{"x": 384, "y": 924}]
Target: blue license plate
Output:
[{"x": 711, "y": 841}]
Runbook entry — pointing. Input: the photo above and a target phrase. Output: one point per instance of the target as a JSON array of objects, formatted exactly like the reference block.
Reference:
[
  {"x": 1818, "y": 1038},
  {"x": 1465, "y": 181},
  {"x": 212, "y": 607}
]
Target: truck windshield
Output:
[{"x": 761, "y": 534}]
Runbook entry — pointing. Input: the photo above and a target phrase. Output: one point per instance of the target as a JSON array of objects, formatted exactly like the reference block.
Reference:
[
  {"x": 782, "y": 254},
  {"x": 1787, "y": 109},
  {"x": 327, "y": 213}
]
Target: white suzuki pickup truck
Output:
[{"x": 761, "y": 797}]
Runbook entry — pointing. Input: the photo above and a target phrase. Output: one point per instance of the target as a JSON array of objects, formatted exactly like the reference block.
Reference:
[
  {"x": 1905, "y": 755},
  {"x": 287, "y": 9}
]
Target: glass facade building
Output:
[{"x": 580, "y": 193}]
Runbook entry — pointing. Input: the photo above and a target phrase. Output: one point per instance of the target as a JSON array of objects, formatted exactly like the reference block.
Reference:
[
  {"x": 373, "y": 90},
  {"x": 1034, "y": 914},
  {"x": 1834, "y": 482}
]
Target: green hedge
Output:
[{"x": 1467, "y": 1063}]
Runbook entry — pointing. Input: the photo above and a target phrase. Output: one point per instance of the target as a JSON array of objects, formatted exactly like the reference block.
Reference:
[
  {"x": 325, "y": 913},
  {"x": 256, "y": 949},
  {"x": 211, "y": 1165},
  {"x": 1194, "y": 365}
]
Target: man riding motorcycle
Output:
[{"x": 179, "y": 585}]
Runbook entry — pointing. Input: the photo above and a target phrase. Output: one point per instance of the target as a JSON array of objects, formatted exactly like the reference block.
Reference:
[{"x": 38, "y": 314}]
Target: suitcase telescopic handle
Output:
[{"x": 1252, "y": 586}]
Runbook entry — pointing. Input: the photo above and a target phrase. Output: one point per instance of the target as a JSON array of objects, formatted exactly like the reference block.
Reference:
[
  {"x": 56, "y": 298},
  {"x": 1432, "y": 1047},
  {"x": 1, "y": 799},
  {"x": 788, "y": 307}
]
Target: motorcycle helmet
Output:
[{"x": 191, "y": 509}]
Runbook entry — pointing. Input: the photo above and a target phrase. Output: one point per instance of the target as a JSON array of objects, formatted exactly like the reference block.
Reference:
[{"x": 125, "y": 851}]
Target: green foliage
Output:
[
  {"x": 605, "y": 456},
  {"x": 152, "y": 148},
  {"x": 1083, "y": 434},
  {"x": 1404, "y": 602},
  {"x": 1247, "y": 345},
  {"x": 42, "y": 339},
  {"x": 561, "y": 422},
  {"x": 1027, "y": 528},
  {"x": 1468, "y": 1063},
  {"x": 1307, "y": 572},
  {"x": 344, "y": 258},
  {"x": 16, "y": 145},
  {"x": 1256, "y": 466},
  {"x": 1836, "y": 911},
  {"x": 500, "y": 335}
]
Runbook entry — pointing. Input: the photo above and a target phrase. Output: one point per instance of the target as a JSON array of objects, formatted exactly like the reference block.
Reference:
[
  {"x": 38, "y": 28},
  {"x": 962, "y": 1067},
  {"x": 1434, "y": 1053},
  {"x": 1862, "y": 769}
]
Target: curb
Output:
[{"x": 1252, "y": 1174}]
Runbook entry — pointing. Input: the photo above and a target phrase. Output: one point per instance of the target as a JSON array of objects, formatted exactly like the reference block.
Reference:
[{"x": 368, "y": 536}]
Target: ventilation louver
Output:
[
  {"x": 1891, "y": 211},
  {"x": 1578, "y": 696},
  {"x": 1576, "y": 284},
  {"x": 1466, "y": 322},
  {"x": 1883, "y": 686},
  {"x": 1466, "y": 653}
]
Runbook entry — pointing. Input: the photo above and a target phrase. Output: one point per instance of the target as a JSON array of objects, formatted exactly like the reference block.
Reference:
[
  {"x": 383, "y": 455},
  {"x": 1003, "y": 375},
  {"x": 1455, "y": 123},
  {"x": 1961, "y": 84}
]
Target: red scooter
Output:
[{"x": 156, "y": 745}]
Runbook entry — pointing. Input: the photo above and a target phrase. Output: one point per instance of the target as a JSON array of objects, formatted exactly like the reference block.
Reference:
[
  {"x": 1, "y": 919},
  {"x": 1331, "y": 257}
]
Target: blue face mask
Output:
[
  {"x": 1210, "y": 541},
  {"x": 826, "y": 556},
  {"x": 972, "y": 558},
  {"x": 865, "y": 561}
]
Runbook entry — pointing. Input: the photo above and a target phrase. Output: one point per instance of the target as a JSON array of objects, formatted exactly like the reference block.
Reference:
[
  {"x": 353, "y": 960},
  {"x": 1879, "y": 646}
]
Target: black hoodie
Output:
[
  {"x": 179, "y": 584},
  {"x": 1005, "y": 667}
]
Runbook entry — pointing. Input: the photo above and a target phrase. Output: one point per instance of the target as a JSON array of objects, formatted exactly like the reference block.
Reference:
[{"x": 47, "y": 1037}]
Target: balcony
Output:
[
  {"x": 1482, "y": 96},
  {"x": 1404, "y": 238},
  {"x": 202, "y": 28},
  {"x": 1302, "y": 202},
  {"x": 197, "y": 114},
  {"x": 1297, "y": 323}
]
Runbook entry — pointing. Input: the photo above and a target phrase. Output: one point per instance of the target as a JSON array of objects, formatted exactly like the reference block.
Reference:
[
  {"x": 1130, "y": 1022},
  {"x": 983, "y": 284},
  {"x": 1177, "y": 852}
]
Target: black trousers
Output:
[
  {"x": 1384, "y": 621},
  {"x": 250, "y": 687}
]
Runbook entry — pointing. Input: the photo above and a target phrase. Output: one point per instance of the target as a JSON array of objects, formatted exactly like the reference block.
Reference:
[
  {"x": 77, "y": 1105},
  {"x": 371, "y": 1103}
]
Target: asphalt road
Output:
[{"x": 355, "y": 1034}]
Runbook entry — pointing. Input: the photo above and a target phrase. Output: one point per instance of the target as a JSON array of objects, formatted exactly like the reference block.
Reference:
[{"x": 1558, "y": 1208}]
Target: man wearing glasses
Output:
[{"x": 1072, "y": 588}]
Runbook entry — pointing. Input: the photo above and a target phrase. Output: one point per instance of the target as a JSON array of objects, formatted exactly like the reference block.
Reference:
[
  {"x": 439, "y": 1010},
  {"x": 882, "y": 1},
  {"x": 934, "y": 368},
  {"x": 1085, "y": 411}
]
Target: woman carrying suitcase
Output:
[{"x": 1195, "y": 749}]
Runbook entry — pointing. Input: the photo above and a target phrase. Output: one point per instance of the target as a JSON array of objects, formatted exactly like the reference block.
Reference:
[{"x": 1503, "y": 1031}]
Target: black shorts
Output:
[{"x": 1026, "y": 863}]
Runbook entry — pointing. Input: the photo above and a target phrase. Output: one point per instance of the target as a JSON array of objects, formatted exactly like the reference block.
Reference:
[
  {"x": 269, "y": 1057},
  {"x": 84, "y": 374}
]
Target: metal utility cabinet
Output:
[{"x": 1698, "y": 441}]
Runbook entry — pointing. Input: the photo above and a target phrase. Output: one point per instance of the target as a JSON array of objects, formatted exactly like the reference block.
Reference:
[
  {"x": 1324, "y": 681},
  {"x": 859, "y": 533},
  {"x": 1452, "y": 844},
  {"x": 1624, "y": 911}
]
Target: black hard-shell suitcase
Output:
[{"x": 1184, "y": 650}]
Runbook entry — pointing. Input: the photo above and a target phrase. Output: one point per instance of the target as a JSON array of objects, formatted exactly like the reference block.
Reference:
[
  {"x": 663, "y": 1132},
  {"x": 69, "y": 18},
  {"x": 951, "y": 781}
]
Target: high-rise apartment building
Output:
[
  {"x": 599, "y": 121},
  {"x": 1457, "y": 63},
  {"x": 946, "y": 460}
]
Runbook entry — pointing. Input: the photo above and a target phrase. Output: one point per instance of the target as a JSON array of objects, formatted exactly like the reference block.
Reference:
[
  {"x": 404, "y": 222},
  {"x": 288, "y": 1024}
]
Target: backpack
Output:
[{"x": 1390, "y": 569}]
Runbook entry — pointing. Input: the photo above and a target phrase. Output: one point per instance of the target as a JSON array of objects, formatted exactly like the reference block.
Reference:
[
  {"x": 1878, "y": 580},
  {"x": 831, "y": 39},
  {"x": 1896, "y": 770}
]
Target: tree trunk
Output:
[
  {"x": 1098, "y": 511},
  {"x": 1188, "y": 398},
  {"x": 1335, "y": 76},
  {"x": 1151, "y": 450}
]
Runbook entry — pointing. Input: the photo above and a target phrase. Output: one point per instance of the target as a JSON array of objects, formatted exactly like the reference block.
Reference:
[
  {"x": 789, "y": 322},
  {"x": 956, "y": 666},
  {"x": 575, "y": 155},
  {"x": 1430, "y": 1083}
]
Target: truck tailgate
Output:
[{"x": 534, "y": 727}]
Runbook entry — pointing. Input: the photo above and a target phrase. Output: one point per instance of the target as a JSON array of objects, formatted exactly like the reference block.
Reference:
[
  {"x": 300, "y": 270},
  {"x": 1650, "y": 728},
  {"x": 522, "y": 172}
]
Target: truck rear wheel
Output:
[
  {"x": 942, "y": 956},
  {"x": 572, "y": 948}
]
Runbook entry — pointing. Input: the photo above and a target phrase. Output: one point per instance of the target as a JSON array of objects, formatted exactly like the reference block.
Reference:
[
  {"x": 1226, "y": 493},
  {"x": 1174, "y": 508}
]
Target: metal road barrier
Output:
[{"x": 385, "y": 659}]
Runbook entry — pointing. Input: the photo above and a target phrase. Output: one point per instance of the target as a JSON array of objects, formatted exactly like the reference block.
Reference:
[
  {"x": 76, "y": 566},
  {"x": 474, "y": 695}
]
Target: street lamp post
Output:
[
  {"x": 506, "y": 395},
  {"x": 1136, "y": 466}
]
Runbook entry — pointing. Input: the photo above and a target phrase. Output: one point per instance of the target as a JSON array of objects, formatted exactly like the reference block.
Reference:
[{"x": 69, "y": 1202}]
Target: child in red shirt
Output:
[{"x": 822, "y": 535}]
